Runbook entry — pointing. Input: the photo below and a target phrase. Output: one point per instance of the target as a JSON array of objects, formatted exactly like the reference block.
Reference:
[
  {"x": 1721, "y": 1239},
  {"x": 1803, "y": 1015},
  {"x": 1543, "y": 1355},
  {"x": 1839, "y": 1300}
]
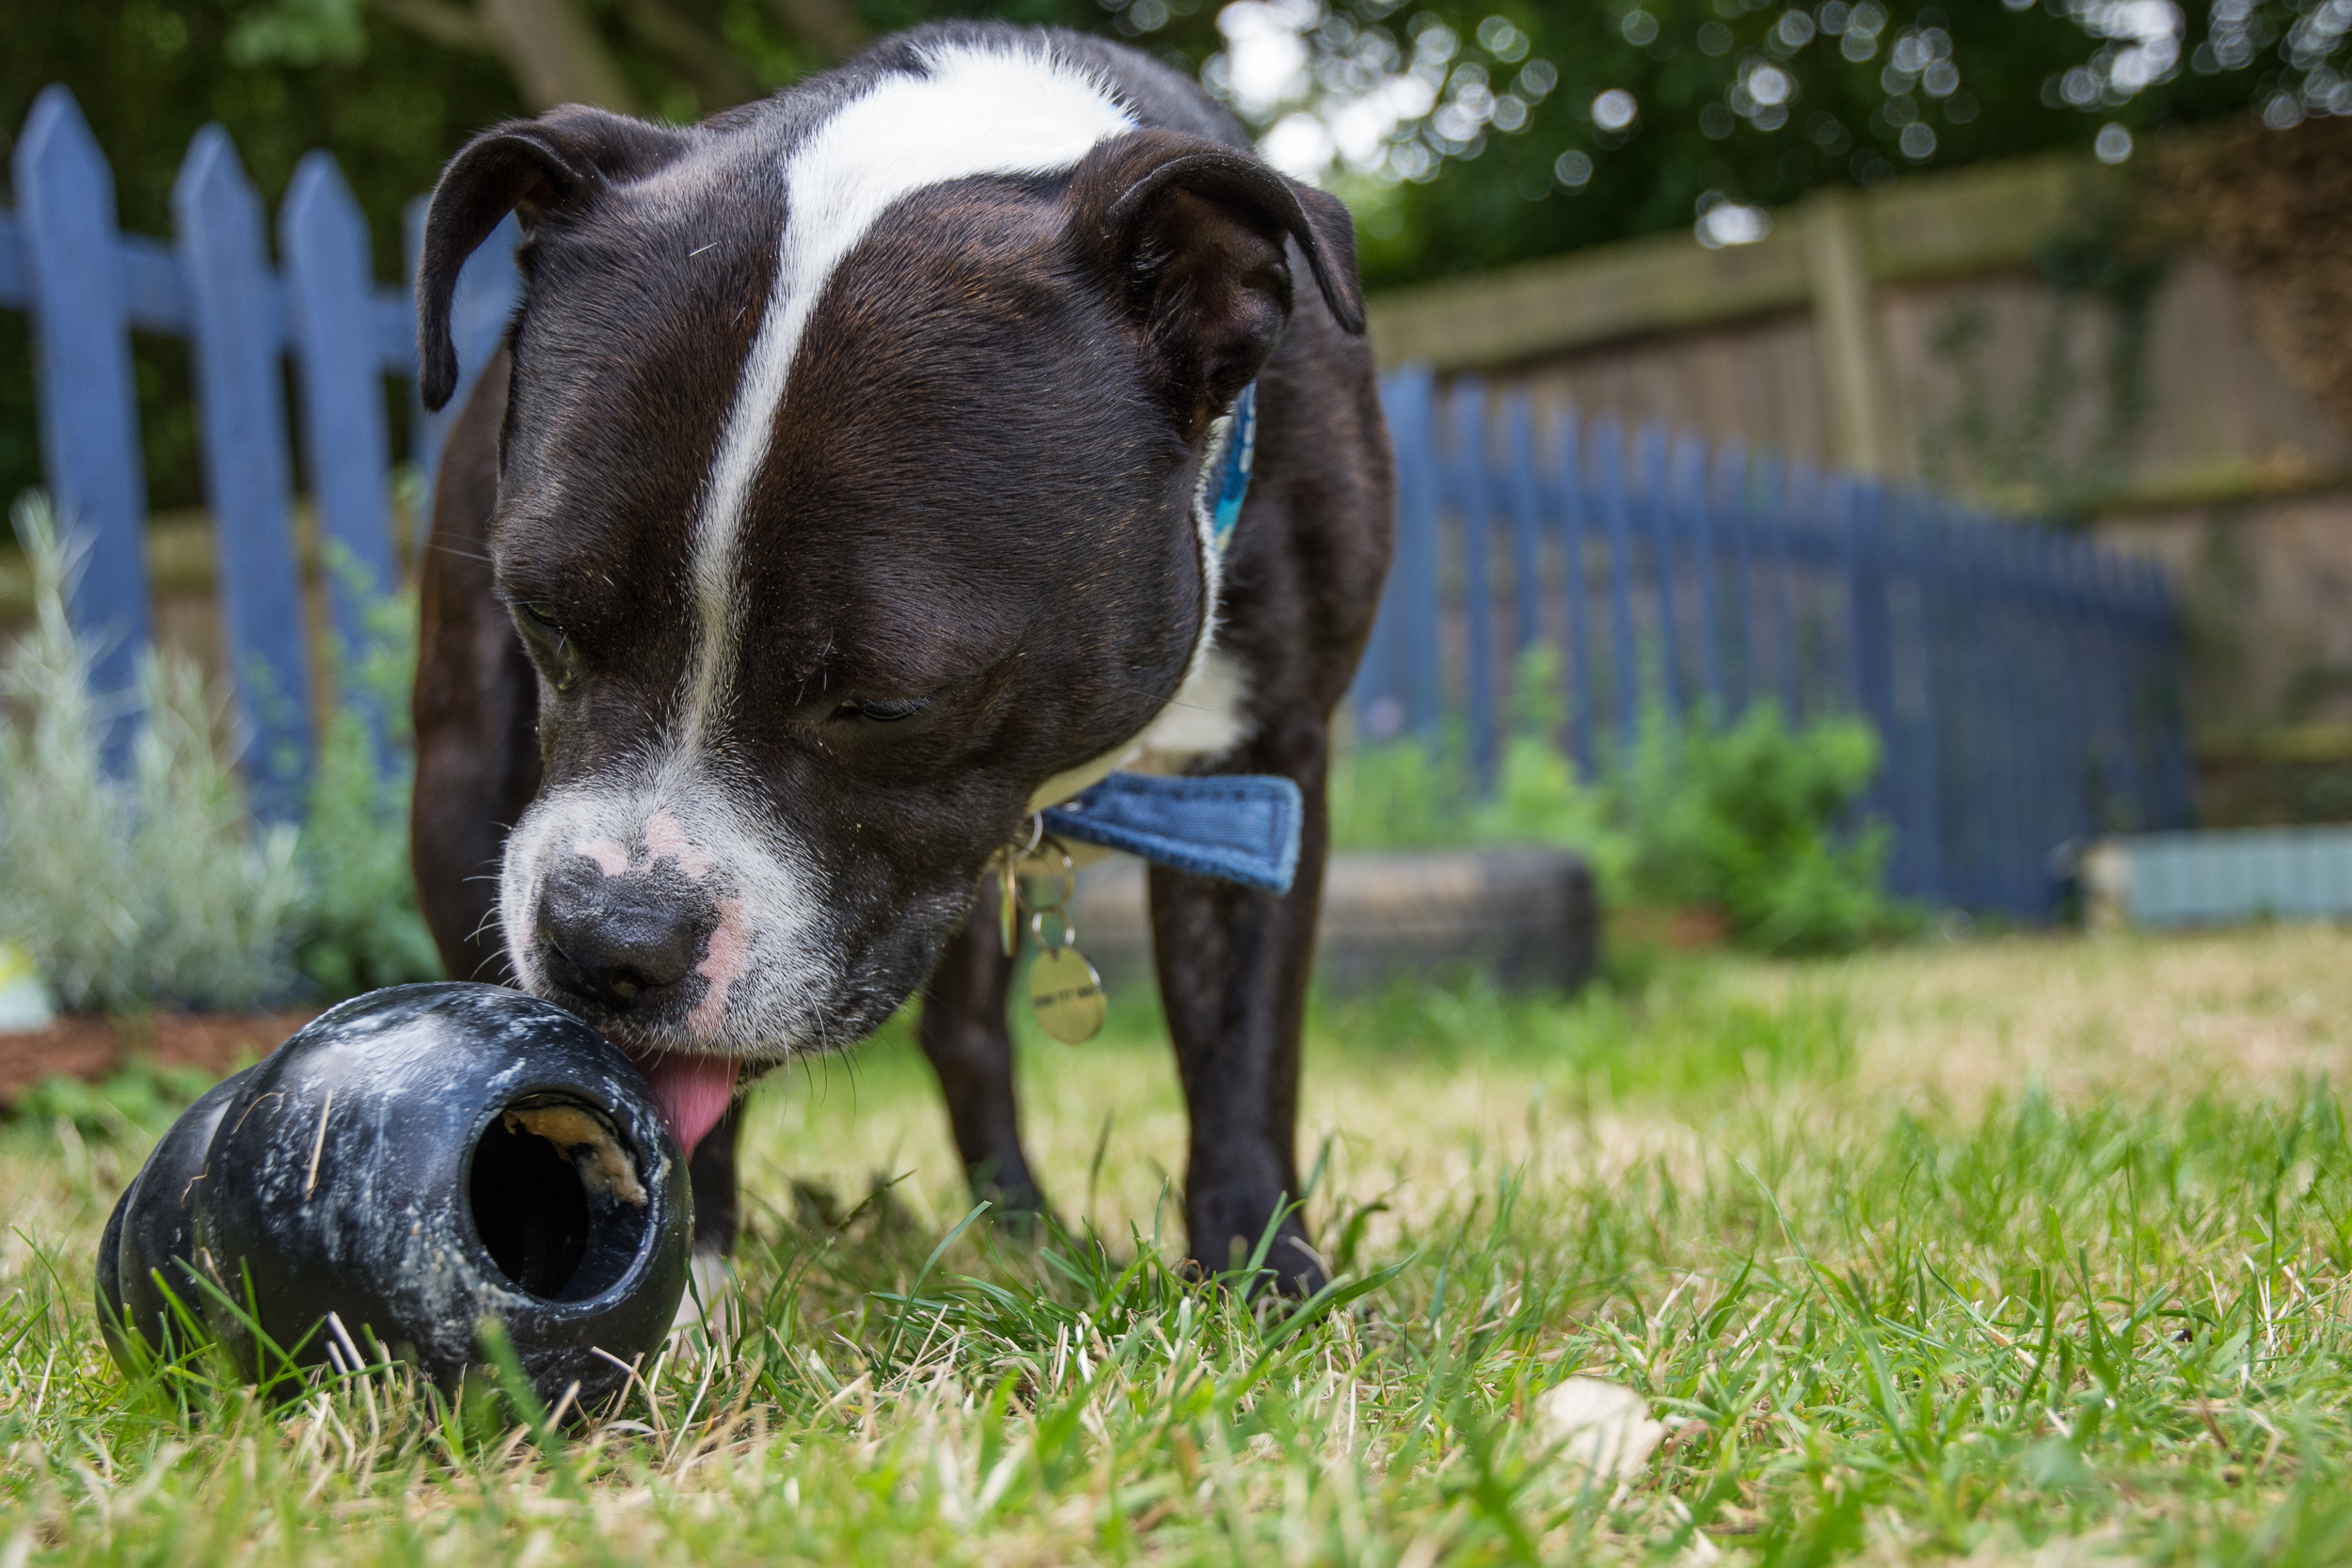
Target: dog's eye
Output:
[
  {"x": 881, "y": 710},
  {"x": 540, "y": 625}
]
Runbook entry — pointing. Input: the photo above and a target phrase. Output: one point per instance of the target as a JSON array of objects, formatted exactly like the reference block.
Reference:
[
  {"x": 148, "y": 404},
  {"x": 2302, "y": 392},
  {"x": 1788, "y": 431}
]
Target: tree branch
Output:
[
  {"x": 556, "y": 56},
  {"x": 718, "y": 78},
  {"x": 451, "y": 26}
]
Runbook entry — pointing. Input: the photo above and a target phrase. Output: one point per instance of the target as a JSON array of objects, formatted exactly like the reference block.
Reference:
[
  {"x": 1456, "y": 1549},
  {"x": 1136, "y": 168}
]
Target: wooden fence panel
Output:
[
  {"x": 89, "y": 427},
  {"x": 347, "y": 443},
  {"x": 2023, "y": 684},
  {"x": 236, "y": 320}
]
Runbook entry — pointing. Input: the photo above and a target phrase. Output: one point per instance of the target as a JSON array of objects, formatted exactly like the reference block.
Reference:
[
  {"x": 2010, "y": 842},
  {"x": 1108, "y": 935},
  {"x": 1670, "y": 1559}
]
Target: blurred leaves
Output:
[
  {"x": 1538, "y": 128},
  {"x": 1757, "y": 818},
  {"x": 156, "y": 889},
  {"x": 130, "y": 892}
]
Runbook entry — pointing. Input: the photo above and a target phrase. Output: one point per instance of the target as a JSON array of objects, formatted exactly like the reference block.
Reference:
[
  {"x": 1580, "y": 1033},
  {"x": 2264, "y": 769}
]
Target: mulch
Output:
[{"x": 96, "y": 1047}]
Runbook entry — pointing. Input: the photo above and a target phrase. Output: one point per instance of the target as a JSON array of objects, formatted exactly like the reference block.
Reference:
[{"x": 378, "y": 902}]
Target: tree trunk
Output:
[{"x": 556, "y": 56}]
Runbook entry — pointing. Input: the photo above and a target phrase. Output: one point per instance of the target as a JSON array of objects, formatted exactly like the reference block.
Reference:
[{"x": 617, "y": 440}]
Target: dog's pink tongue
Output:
[{"x": 692, "y": 1091}]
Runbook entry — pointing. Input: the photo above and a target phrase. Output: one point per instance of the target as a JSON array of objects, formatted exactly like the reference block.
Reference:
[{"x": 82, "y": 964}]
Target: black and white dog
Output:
[{"x": 830, "y": 511}]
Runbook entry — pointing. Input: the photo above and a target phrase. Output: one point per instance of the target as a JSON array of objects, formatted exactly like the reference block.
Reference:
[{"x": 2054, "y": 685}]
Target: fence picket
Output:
[
  {"x": 1918, "y": 547},
  {"x": 1689, "y": 498},
  {"x": 331, "y": 287},
  {"x": 235, "y": 319},
  {"x": 1735, "y": 522},
  {"x": 1800, "y": 504},
  {"x": 1573, "y": 535},
  {"x": 89, "y": 432},
  {"x": 1607, "y": 451},
  {"x": 1413, "y": 673},
  {"x": 1473, "y": 497},
  {"x": 1527, "y": 510},
  {"x": 1656, "y": 516}
]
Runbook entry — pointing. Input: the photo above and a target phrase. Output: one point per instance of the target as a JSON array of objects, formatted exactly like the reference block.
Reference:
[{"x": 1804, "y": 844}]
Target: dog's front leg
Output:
[
  {"x": 964, "y": 1033},
  {"x": 1234, "y": 966}
]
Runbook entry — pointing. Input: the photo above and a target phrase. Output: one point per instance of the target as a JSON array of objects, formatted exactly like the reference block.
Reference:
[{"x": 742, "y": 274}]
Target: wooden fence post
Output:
[
  {"x": 236, "y": 324},
  {"x": 331, "y": 287},
  {"x": 1846, "y": 333},
  {"x": 90, "y": 429}
]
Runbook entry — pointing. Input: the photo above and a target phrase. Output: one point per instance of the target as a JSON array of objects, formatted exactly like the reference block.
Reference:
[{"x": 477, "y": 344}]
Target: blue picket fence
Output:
[
  {"x": 87, "y": 287},
  {"x": 2024, "y": 681}
]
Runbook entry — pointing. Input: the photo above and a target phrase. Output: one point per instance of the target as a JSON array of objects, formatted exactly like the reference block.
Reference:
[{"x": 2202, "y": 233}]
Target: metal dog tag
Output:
[{"x": 1067, "y": 995}]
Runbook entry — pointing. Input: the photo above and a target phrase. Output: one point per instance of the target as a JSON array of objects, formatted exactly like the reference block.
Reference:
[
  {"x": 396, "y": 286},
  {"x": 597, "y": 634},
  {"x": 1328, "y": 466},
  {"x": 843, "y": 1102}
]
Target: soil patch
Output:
[{"x": 95, "y": 1047}]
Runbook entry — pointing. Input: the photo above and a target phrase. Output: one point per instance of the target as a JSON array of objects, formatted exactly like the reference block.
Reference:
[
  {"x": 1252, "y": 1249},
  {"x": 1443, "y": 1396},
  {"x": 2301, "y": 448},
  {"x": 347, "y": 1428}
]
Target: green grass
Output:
[{"x": 2013, "y": 1252}]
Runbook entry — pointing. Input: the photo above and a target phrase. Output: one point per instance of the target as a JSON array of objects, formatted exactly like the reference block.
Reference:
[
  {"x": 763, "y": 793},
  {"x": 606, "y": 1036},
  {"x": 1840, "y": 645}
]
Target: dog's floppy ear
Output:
[
  {"x": 1194, "y": 233},
  {"x": 528, "y": 167}
]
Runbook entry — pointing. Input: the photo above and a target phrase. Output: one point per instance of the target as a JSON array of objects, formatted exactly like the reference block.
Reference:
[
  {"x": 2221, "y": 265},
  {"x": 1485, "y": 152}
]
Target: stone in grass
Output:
[
  {"x": 1604, "y": 1430},
  {"x": 409, "y": 1164}
]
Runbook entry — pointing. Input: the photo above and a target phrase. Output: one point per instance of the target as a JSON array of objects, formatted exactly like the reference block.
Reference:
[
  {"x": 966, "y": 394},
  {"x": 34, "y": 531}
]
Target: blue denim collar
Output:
[{"x": 1240, "y": 827}]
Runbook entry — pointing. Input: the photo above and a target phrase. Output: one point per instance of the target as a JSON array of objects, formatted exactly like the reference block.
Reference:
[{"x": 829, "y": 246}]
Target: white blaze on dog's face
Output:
[{"x": 845, "y": 501}]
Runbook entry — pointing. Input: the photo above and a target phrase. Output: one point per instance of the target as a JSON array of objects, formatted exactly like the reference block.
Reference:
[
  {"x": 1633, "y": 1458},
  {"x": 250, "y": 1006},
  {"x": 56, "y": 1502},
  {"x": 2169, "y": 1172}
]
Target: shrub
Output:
[
  {"x": 142, "y": 890},
  {"x": 360, "y": 927},
  {"x": 156, "y": 889},
  {"x": 1755, "y": 819}
]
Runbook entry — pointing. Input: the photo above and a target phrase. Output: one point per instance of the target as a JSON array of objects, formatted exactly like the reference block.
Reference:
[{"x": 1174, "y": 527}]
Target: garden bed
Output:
[{"x": 96, "y": 1047}]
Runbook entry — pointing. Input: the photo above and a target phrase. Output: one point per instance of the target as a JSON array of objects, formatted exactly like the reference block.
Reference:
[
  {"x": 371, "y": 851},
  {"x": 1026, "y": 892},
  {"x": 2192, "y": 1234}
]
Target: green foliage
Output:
[
  {"x": 134, "y": 1105},
  {"x": 360, "y": 926},
  {"x": 129, "y": 892},
  {"x": 1750, "y": 818},
  {"x": 1734, "y": 100},
  {"x": 156, "y": 889}
]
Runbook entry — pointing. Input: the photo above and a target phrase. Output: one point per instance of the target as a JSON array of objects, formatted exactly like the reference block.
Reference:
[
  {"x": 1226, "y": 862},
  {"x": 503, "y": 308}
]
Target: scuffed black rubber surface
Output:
[{"x": 367, "y": 1169}]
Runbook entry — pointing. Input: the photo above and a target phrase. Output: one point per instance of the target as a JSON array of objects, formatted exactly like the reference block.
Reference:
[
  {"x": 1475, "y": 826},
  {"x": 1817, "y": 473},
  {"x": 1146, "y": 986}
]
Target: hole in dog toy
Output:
[{"x": 557, "y": 1201}]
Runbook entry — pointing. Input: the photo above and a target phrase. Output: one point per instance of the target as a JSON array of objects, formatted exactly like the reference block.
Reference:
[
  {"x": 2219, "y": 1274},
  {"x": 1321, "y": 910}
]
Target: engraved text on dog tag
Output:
[{"x": 1066, "y": 994}]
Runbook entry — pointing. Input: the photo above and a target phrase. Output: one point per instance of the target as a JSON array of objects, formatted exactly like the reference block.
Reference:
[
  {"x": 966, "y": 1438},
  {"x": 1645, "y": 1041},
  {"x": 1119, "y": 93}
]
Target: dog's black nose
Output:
[{"x": 621, "y": 941}]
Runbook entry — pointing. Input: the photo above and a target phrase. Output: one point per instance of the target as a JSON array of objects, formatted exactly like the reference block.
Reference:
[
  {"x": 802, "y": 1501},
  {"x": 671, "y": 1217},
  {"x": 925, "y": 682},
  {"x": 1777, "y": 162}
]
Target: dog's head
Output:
[{"x": 845, "y": 501}]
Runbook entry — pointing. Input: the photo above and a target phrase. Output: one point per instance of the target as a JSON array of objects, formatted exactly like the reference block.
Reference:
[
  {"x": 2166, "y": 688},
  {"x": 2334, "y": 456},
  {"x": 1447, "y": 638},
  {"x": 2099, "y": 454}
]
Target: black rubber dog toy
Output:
[{"x": 409, "y": 1164}]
